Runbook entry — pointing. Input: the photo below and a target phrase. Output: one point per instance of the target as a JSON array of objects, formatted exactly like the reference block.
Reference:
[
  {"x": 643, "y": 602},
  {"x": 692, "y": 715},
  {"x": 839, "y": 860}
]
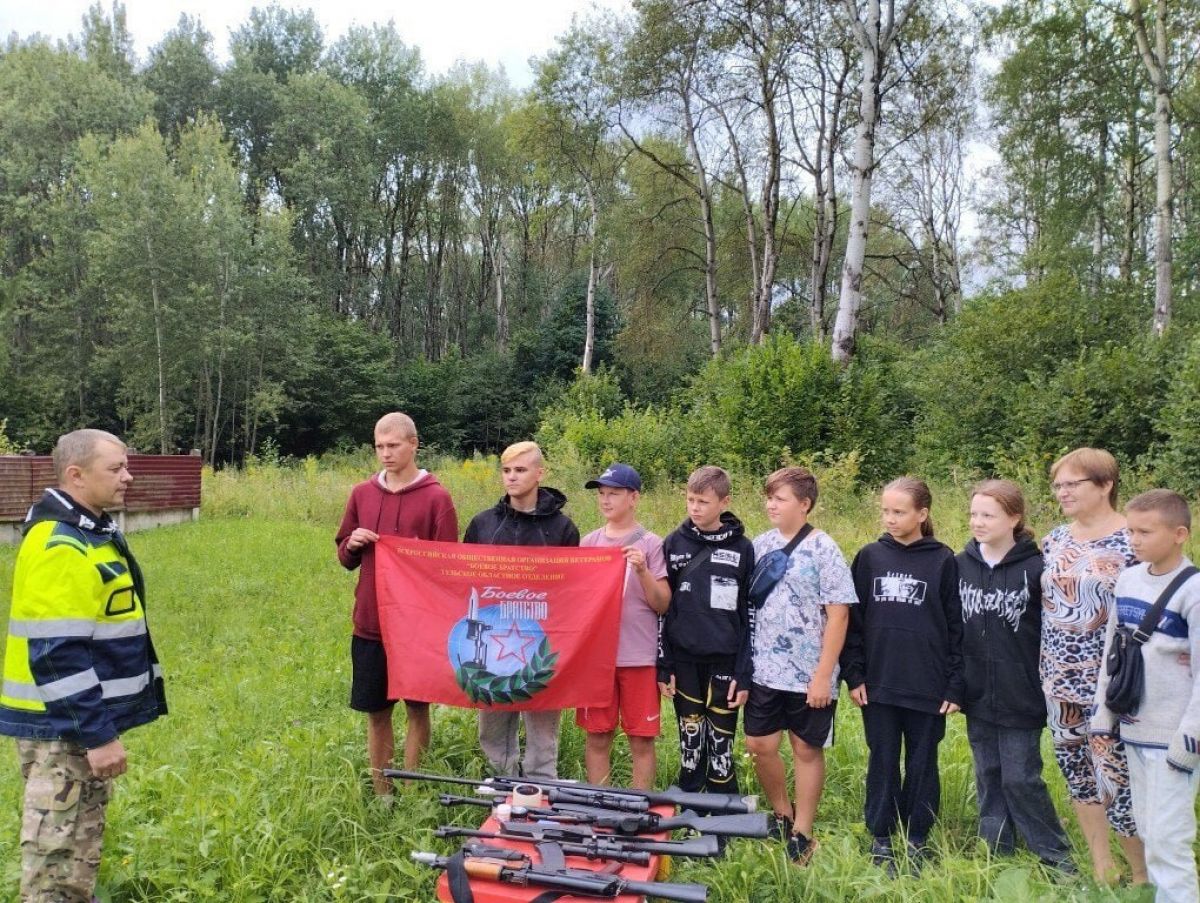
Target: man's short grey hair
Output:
[{"x": 78, "y": 448}]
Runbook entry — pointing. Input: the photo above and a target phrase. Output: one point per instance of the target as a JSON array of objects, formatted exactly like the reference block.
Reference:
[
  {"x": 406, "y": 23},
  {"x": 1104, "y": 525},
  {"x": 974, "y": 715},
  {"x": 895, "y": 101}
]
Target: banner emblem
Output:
[{"x": 521, "y": 660}]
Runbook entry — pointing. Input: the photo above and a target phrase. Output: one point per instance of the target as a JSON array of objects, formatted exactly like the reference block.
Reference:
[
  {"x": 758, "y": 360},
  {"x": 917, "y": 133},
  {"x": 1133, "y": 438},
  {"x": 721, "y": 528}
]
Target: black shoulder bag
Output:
[
  {"x": 769, "y": 569},
  {"x": 1124, "y": 665}
]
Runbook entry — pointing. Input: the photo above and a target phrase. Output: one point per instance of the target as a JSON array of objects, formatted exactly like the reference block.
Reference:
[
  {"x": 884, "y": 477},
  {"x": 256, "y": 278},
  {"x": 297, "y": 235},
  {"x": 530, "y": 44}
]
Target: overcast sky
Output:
[{"x": 499, "y": 32}]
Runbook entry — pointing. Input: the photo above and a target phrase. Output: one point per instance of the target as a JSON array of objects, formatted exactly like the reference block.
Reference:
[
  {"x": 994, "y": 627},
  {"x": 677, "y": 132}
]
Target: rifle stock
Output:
[{"x": 573, "y": 881}]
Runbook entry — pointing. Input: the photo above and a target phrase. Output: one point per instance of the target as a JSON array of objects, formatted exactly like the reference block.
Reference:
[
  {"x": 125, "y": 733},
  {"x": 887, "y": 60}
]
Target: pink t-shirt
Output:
[{"x": 638, "y": 643}]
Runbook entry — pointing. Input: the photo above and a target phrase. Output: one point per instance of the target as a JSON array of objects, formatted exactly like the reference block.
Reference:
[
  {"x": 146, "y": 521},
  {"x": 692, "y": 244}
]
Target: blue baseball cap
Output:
[{"x": 618, "y": 476}]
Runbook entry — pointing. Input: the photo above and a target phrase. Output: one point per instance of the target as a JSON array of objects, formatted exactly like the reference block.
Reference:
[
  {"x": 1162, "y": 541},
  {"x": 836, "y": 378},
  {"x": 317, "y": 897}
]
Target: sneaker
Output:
[
  {"x": 779, "y": 826},
  {"x": 883, "y": 856},
  {"x": 800, "y": 849},
  {"x": 1061, "y": 868},
  {"x": 918, "y": 855}
]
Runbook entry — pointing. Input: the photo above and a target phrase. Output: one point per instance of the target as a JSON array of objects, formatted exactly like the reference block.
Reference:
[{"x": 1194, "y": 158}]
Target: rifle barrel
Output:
[{"x": 596, "y": 847}]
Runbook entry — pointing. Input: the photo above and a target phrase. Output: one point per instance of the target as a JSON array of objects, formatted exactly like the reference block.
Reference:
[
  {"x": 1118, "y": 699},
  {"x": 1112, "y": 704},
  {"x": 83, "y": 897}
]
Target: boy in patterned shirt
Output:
[{"x": 798, "y": 634}]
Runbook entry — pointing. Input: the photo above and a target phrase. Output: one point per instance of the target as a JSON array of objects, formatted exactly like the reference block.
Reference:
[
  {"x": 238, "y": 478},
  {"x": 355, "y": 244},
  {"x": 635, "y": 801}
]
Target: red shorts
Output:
[{"x": 635, "y": 702}]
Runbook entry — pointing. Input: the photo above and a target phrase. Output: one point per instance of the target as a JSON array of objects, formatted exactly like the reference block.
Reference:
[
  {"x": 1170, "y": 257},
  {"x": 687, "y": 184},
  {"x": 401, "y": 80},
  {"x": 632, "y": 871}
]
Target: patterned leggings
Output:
[
  {"x": 1092, "y": 775},
  {"x": 706, "y": 728}
]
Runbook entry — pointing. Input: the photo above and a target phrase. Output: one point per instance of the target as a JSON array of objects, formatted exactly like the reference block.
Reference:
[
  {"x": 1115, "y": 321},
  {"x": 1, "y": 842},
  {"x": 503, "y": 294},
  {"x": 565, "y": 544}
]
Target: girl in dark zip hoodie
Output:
[
  {"x": 903, "y": 664},
  {"x": 999, "y": 582}
]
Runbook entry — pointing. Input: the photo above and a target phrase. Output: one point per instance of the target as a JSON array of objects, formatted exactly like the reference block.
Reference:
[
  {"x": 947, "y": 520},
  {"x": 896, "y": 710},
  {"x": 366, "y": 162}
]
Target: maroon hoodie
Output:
[{"x": 421, "y": 510}]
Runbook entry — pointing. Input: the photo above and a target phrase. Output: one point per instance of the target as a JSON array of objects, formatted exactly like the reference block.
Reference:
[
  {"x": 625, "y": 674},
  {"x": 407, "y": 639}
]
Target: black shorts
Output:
[
  {"x": 771, "y": 711},
  {"x": 368, "y": 682}
]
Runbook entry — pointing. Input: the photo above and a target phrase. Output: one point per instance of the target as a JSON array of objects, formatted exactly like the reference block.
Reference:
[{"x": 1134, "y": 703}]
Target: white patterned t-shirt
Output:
[{"x": 790, "y": 626}]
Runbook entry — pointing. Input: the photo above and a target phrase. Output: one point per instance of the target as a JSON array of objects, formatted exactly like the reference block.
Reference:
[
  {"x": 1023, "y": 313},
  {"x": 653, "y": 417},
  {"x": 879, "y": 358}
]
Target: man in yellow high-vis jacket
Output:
[{"x": 79, "y": 666}]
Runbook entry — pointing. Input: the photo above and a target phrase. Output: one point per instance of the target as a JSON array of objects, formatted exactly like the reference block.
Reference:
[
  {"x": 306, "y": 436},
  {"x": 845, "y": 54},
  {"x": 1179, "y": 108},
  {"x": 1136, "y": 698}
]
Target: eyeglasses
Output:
[{"x": 1068, "y": 485}]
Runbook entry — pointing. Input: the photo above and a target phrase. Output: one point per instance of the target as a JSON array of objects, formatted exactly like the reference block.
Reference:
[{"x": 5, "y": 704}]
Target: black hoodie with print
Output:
[
  {"x": 545, "y": 525},
  {"x": 905, "y": 636},
  {"x": 1002, "y": 632},
  {"x": 708, "y": 619}
]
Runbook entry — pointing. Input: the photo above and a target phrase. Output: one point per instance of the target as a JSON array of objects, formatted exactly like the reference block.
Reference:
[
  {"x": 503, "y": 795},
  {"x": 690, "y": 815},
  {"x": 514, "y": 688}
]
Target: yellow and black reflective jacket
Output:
[{"x": 79, "y": 664}]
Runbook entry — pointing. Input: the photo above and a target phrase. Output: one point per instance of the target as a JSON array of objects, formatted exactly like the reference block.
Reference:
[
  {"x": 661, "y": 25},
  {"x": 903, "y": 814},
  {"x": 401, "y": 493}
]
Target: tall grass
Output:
[{"x": 254, "y": 787}]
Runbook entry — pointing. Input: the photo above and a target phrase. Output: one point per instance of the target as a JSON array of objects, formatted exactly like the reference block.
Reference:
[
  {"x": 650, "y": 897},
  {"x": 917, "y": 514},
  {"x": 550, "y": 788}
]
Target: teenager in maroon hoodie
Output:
[{"x": 400, "y": 500}]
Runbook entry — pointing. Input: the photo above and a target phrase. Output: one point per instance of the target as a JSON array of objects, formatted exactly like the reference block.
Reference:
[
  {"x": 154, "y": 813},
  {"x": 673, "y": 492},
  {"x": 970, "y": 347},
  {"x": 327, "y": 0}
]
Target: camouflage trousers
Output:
[{"x": 63, "y": 823}]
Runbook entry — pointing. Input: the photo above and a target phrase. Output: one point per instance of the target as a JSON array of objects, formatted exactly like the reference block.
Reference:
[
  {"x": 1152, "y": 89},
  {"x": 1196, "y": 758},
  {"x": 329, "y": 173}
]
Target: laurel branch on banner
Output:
[{"x": 482, "y": 685}]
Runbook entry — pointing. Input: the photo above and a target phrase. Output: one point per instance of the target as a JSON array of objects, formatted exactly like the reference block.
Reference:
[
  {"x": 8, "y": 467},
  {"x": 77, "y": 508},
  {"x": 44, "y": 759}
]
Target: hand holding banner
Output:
[{"x": 513, "y": 628}]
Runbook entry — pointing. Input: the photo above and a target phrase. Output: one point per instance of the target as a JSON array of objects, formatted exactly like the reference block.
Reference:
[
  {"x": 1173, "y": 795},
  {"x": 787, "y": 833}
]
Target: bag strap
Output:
[
  {"x": 1150, "y": 620},
  {"x": 694, "y": 562},
  {"x": 796, "y": 540},
  {"x": 456, "y": 877}
]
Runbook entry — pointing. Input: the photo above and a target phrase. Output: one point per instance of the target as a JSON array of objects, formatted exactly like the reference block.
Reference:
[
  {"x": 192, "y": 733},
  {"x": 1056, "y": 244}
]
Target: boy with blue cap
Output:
[{"x": 635, "y": 702}]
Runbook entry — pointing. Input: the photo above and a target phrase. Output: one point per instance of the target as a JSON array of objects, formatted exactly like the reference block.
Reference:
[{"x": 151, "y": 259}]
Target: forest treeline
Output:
[{"x": 742, "y": 230}]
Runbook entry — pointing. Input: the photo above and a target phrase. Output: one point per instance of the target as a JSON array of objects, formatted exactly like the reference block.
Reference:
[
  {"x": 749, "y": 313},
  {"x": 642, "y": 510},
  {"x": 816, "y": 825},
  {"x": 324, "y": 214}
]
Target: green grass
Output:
[{"x": 254, "y": 787}]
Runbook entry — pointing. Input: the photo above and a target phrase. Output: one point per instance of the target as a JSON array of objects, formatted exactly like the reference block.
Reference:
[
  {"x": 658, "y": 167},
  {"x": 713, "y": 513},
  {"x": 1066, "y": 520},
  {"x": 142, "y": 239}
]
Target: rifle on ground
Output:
[
  {"x": 598, "y": 795},
  {"x": 593, "y": 845},
  {"x": 571, "y": 881},
  {"x": 589, "y": 849},
  {"x": 748, "y": 825}
]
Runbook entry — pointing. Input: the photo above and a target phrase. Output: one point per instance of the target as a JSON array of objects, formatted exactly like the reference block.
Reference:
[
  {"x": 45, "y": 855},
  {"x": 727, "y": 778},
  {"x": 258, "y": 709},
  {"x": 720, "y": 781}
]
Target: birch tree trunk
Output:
[
  {"x": 874, "y": 40},
  {"x": 158, "y": 349},
  {"x": 589, "y": 336},
  {"x": 1156, "y": 60},
  {"x": 704, "y": 190},
  {"x": 501, "y": 302}
]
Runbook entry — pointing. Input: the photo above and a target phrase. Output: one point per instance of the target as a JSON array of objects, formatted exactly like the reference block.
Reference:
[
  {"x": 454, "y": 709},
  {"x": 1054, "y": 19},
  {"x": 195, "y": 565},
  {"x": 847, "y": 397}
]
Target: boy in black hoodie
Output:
[
  {"x": 903, "y": 664},
  {"x": 704, "y": 662},
  {"x": 528, "y": 515},
  {"x": 1000, "y": 584}
]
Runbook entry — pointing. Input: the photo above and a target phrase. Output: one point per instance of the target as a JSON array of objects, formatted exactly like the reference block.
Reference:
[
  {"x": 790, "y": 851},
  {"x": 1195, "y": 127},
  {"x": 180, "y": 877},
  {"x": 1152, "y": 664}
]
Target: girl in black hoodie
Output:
[
  {"x": 903, "y": 664},
  {"x": 999, "y": 582}
]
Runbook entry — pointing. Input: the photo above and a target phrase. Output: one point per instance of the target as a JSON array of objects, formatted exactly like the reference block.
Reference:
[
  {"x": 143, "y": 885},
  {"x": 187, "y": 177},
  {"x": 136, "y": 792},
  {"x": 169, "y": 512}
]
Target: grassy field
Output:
[{"x": 254, "y": 787}]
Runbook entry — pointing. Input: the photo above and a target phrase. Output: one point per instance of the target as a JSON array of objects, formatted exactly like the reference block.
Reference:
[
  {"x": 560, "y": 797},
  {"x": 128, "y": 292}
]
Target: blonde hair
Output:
[
  {"x": 1011, "y": 500},
  {"x": 78, "y": 448},
  {"x": 396, "y": 422},
  {"x": 1095, "y": 464},
  {"x": 522, "y": 448},
  {"x": 917, "y": 490}
]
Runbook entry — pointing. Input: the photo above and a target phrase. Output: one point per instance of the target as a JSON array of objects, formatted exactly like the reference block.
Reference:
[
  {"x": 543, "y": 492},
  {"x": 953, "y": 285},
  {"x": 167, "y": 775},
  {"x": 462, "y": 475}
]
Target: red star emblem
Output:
[{"x": 513, "y": 644}]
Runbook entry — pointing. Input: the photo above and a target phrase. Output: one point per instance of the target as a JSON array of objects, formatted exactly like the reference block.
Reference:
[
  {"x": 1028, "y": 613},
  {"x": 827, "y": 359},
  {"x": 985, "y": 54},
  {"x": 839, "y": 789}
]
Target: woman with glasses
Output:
[{"x": 1083, "y": 559}]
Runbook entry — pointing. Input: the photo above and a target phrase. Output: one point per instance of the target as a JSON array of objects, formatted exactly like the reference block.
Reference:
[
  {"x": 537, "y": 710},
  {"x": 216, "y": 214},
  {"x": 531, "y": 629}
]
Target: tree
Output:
[
  {"x": 667, "y": 66},
  {"x": 817, "y": 99},
  {"x": 1157, "y": 59},
  {"x": 875, "y": 38},
  {"x": 140, "y": 254},
  {"x": 49, "y": 98},
  {"x": 182, "y": 75},
  {"x": 106, "y": 41},
  {"x": 574, "y": 116}
]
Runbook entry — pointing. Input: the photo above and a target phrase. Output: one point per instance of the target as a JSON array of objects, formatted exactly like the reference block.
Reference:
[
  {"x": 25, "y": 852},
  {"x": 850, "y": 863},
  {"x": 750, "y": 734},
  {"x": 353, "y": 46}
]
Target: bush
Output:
[
  {"x": 873, "y": 415},
  {"x": 765, "y": 401},
  {"x": 970, "y": 380},
  {"x": 651, "y": 440},
  {"x": 1106, "y": 396},
  {"x": 750, "y": 412},
  {"x": 1176, "y": 458}
]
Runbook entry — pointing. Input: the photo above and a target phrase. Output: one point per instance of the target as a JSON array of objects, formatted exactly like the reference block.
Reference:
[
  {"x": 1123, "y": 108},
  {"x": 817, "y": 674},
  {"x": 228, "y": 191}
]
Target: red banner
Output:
[{"x": 511, "y": 628}]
